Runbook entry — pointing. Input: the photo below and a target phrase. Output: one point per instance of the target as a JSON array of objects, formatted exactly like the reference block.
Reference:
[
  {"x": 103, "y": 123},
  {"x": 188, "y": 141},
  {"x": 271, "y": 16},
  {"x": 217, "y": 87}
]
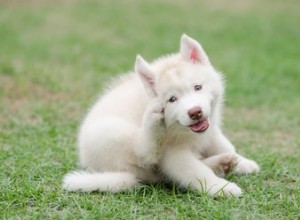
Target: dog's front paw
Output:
[
  {"x": 246, "y": 166},
  {"x": 225, "y": 188}
]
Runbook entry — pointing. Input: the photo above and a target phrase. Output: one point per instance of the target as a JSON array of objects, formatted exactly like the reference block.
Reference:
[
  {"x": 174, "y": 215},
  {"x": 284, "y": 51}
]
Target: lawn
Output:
[{"x": 56, "y": 56}]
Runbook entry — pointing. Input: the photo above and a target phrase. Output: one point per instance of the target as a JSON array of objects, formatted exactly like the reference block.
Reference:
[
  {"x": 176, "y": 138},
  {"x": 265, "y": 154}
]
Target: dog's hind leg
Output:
[{"x": 148, "y": 146}]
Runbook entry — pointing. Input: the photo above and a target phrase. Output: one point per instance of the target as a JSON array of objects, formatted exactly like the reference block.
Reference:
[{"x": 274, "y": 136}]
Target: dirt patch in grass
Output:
[
  {"x": 19, "y": 90},
  {"x": 20, "y": 98},
  {"x": 262, "y": 128}
]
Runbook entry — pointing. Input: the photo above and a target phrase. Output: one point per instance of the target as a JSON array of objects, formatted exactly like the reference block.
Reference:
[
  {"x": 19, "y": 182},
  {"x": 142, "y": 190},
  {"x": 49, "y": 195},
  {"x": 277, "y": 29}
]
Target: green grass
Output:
[{"x": 56, "y": 57}]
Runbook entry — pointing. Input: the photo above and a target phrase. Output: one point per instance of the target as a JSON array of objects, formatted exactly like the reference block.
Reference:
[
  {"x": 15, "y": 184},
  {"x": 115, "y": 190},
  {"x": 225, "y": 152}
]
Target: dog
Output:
[{"x": 160, "y": 122}]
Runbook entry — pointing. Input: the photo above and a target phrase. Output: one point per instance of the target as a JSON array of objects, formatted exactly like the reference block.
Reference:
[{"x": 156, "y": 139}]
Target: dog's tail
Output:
[{"x": 108, "y": 181}]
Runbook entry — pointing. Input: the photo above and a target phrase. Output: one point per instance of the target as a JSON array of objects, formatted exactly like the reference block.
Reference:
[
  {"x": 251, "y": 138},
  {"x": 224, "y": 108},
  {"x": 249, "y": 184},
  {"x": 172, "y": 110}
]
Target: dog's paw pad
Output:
[
  {"x": 225, "y": 167},
  {"x": 228, "y": 162}
]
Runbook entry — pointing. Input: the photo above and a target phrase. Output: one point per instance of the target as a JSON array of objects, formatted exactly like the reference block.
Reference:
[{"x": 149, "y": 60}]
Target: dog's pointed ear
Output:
[
  {"x": 192, "y": 51},
  {"x": 143, "y": 69}
]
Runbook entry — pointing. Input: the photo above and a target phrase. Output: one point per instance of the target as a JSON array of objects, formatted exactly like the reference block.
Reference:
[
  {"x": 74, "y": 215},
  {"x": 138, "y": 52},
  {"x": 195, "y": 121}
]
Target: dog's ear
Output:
[
  {"x": 145, "y": 73},
  {"x": 192, "y": 51}
]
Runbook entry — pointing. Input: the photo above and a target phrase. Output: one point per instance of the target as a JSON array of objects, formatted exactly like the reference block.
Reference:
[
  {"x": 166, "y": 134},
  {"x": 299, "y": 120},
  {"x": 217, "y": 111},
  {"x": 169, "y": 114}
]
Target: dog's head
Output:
[{"x": 187, "y": 84}]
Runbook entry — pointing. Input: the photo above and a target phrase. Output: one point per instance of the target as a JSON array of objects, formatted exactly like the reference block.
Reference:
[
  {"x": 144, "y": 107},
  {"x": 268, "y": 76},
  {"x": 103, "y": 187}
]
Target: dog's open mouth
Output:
[{"x": 200, "y": 126}]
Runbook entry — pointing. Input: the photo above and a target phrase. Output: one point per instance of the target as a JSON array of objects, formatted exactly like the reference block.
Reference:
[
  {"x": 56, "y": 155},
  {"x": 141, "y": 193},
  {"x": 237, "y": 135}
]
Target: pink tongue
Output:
[{"x": 200, "y": 126}]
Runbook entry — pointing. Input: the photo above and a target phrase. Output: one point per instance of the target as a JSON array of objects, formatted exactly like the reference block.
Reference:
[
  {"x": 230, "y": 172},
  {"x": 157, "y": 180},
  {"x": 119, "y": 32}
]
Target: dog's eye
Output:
[
  {"x": 198, "y": 87},
  {"x": 172, "y": 99}
]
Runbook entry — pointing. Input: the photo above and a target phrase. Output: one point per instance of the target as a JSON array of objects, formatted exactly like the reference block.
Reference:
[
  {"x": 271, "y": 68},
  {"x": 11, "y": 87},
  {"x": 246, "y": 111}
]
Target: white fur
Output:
[{"x": 134, "y": 133}]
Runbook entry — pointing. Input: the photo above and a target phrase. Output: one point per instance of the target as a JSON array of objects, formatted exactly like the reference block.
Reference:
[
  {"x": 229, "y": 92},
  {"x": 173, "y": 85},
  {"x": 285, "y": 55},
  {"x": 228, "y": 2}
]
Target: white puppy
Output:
[{"x": 163, "y": 121}]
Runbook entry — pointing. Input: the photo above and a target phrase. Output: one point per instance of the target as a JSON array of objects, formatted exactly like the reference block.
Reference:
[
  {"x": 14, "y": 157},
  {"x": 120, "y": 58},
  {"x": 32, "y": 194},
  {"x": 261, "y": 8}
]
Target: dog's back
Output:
[{"x": 125, "y": 98}]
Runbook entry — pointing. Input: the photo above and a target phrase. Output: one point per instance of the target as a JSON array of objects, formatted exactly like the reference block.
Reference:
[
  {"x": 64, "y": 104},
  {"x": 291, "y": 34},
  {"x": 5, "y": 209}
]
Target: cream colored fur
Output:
[{"x": 137, "y": 133}]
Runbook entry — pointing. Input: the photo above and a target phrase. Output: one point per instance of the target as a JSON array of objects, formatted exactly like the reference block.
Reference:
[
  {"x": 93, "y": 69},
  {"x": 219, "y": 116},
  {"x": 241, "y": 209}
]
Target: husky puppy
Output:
[{"x": 160, "y": 122}]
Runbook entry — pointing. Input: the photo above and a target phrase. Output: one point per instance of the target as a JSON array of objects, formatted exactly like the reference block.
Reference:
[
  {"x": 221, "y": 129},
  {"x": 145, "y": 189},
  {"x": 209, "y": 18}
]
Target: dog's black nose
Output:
[{"x": 195, "y": 113}]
